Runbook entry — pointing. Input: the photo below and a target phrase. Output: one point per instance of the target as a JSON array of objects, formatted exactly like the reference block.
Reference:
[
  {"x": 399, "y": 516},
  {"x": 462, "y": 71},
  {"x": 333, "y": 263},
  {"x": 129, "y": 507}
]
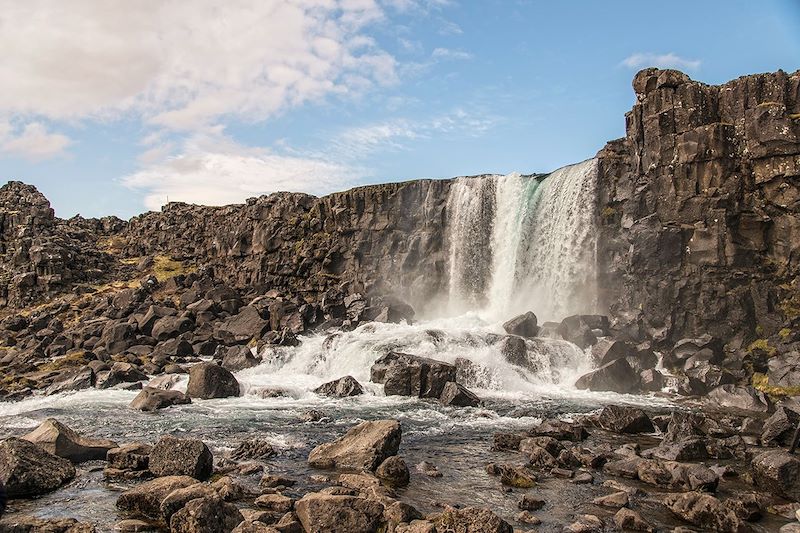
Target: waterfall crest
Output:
[{"x": 520, "y": 243}]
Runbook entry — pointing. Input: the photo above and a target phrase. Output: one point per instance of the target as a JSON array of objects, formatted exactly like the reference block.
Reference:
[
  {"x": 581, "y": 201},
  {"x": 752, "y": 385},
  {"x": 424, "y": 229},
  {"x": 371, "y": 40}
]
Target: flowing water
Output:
[{"x": 517, "y": 243}]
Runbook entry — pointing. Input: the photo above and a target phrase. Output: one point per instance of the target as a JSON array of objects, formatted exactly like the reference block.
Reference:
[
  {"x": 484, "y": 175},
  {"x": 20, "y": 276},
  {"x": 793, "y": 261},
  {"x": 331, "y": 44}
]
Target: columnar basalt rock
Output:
[{"x": 699, "y": 212}]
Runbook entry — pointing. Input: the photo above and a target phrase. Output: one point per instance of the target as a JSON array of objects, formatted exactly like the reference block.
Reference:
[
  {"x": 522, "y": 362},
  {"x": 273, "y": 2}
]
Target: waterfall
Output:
[{"x": 522, "y": 243}]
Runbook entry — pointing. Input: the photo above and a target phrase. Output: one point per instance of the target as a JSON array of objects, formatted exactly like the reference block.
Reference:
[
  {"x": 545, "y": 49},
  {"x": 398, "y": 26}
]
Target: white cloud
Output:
[
  {"x": 450, "y": 28},
  {"x": 213, "y": 170},
  {"x": 448, "y": 53},
  {"x": 670, "y": 60},
  {"x": 180, "y": 64},
  {"x": 33, "y": 142}
]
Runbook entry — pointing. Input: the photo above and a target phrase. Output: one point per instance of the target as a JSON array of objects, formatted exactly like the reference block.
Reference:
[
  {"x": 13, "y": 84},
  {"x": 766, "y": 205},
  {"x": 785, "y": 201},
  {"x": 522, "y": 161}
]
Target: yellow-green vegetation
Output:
[
  {"x": 608, "y": 212},
  {"x": 130, "y": 261},
  {"x": 164, "y": 267},
  {"x": 14, "y": 382},
  {"x": 784, "y": 333},
  {"x": 112, "y": 245},
  {"x": 77, "y": 358},
  {"x": 759, "y": 329},
  {"x": 762, "y": 345},
  {"x": 761, "y": 382},
  {"x": 794, "y": 116}
]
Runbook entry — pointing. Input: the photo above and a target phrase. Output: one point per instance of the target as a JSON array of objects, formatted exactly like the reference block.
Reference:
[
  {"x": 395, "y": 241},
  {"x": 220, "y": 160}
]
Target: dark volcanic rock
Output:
[
  {"x": 471, "y": 519},
  {"x": 340, "y": 388},
  {"x": 778, "y": 472},
  {"x": 623, "y": 419},
  {"x": 209, "y": 380},
  {"x": 616, "y": 376},
  {"x": 151, "y": 399},
  {"x": 410, "y": 375},
  {"x": 56, "y": 438},
  {"x": 145, "y": 500},
  {"x": 364, "y": 446},
  {"x": 458, "y": 396},
  {"x": 28, "y": 470},
  {"x": 181, "y": 457},
  {"x": 524, "y": 325},
  {"x": 211, "y": 514},
  {"x": 393, "y": 471},
  {"x": 239, "y": 358},
  {"x": 338, "y": 514},
  {"x": 577, "y": 331}
]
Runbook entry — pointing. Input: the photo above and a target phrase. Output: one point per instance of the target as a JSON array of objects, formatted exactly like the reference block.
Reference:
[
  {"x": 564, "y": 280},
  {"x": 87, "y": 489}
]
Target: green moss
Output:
[
  {"x": 761, "y": 382},
  {"x": 70, "y": 360},
  {"x": 762, "y": 345},
  {"x": 608, "y": 212},
  {"x": 794, "y": 116},
  {"x": 784, "y": 333},
  {"x": 759, "y": 329},
  {"x": 164, "y": 267}
]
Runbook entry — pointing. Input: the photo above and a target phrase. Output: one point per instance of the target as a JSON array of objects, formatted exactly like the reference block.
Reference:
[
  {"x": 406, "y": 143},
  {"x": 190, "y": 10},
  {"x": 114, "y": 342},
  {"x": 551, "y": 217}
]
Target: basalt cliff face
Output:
[
  {"x": 698, "y": 220},
  {"x": 699, "y": 208}
]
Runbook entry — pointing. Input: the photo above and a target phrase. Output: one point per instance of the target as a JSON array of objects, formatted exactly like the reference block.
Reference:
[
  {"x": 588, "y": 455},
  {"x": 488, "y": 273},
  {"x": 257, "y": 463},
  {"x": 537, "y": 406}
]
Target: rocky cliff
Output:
[
  {"x": 698, "y": 217},
  {"x": 700, "y": 227}
]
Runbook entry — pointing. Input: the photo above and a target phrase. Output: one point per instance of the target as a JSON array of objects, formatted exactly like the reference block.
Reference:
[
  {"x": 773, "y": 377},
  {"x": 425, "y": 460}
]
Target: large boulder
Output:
[
  {"x": 778, "y": 472},
  {"x": 577, "y": 331},
  {"x": 326, "y": 513},
  {"x": 238, "y": 358},
  {"x": 241, "y": 328},
  {"x": 607, "y": 350},
  {"x": 28, "y": 470},
  {"x": 705, "y": 348},
  {"x": 410, "y": 375},
  {"x": 458, "y": 396},
  {"x": 705, "y": 511},
  {"x": 393, "y": 471},
  {"x": 211, "y": 514},
  {"x": 151, "y": 399},
  {"x": 624, "y": 419},
  {"x": 784, "y": 369},
  {"x": 739, "y": 397},
  {"x": 32, "y": 524},
  {"x": 364, "y": 446},
  {"x": 525, "y": 325},
  {"x": 616, "y": 376},
  {"x": 340, "y": 388},
  {"x": 779, "y": 428},
  {"x": 209, "y": 380},
  {"x": 170, "y": 327},
  {"x": 58, "y": 439},
  {"x": 471, "y": 520},
  {"x": 172, "y": 456},
  {"x": 121, "y": 372},
  {"x": 145, "y": 500}
]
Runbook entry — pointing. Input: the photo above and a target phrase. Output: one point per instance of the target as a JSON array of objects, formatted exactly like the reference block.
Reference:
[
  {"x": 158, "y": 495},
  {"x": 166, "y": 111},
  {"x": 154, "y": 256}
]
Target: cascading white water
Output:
[{"x": 541, "y": 253}]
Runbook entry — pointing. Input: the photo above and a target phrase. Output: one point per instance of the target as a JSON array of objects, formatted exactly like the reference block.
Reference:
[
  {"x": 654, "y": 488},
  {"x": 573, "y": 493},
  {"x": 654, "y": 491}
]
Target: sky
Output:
[{"x": 118, "y": 107}]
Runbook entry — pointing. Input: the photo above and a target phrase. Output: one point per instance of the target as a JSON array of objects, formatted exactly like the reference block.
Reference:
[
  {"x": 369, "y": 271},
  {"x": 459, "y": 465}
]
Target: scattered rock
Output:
[
  {"x": 623, "y": 419},
  {"x": 340, "y": 388},
  {"x": 704, "y": 510},
  {"x": 206, "y": 515},
  {"x": 364, "y": 446},
  {"x": 471, "y": 519},
  {"x": 458, "y": 396},
  {"x": 209, "y": 380},
  {"x": 56, "y": 438},
  {"x": 253, "y": 448},
  {"x": 393, "y": 471},
  {"x": 151, "y": 399},
  {"x": 172, "y": 456},
  {"x": 28, "y": 470},
  {"x": 145, "y": 500},
  {"x": 778, "y": 472},
  {"x": 410, "y": 375},
  {"x": 324, "y": 513},
  {"x": 616, "y": 376},
  {"x": 525, "y": 325},
  {"x": 630, "y": 520}
]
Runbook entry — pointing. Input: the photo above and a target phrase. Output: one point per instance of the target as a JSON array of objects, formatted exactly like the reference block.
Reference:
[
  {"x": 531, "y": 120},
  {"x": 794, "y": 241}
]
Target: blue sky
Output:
[{"x": 115, "y": 108}]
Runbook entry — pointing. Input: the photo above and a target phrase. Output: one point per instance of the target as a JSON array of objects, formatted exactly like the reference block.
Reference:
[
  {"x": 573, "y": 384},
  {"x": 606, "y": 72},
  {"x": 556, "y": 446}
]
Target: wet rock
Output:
[
  {"x": 312, "y": 415},
  {"x": 364, "y": 446},
  {"x": 577, "y": 331},
  {"x": 531, "y": 503},
  {"x": 525, "y": 325},
  {"x": 527, "y": 518},
  {"x": 651, "y": 380},
  {"x": 28, "y": 470},
  {"x": 471, "y": 519},
  {"x": 134, "y": 526},
  {"x": 58, "y": 439},
  {"x": 393, "y": 471},
  {"x": 32, "y": 524},
  {"x": 340, "y": 388},
  {"x": 274, "y": 481},
  {"x": 778, "y": 472},
  {"x": 322, "y": 513},
  {"x": 457, "y": 395},
  {"x": 629, "y": 520},
  {"x": 151, "y": 399},
  {"x": 275, "y": 503},
  {"x": 428, "y": 469},
  {"x": 164, "y": 382},
  {"x": 586, "y": 523},
  {"x": 690, "y": 449},
  {"x": 145, "y": 500},
  {"x": 779, "y": 428},
  {"x": 704, "y": 510},
  {"x": 561, "y": 430},
  {"x": 181, "y": 457},
  {"x": 506, "y": 441},
  {"x": 131, "y": 456},
  {"x": 738, "y": 397},
  {"x": 72, "y": 380},
  {"x": 120, "y": 372},
  {"x": 170, "y": 327},
  {"x": 416, "y": 526},
  {"x": 209, "y": 380},
  {"x": 706, "y": 347},
  {"x": 206, "y": 515},
  {"x": 178, "y": 498},
  {"x": 616, "y": 376},
  {"x": 239, "y": 358},
  {"x": 623, "y": 419},
  {"x": 549, "y": 444},
  {"x": 513, "y": 475},
  {"x": 513, "y": 349},
  {"x": 410, "y": 375},
  {"x": 616, "y": 500},
  {"x": 677, "y": 476},
  {"x": 253, "y": 526},
  {"x": 608, "y": 349},
  {"x": 241, "y": 328},
  {"x": 253, "y": 448},
  {"x": 750, "y": 507}
]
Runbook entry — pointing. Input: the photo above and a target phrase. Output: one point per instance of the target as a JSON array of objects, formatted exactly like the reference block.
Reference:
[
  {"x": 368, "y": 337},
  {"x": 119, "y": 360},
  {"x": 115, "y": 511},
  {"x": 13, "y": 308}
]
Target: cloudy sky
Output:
[{"x": 116, "y": 107}]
